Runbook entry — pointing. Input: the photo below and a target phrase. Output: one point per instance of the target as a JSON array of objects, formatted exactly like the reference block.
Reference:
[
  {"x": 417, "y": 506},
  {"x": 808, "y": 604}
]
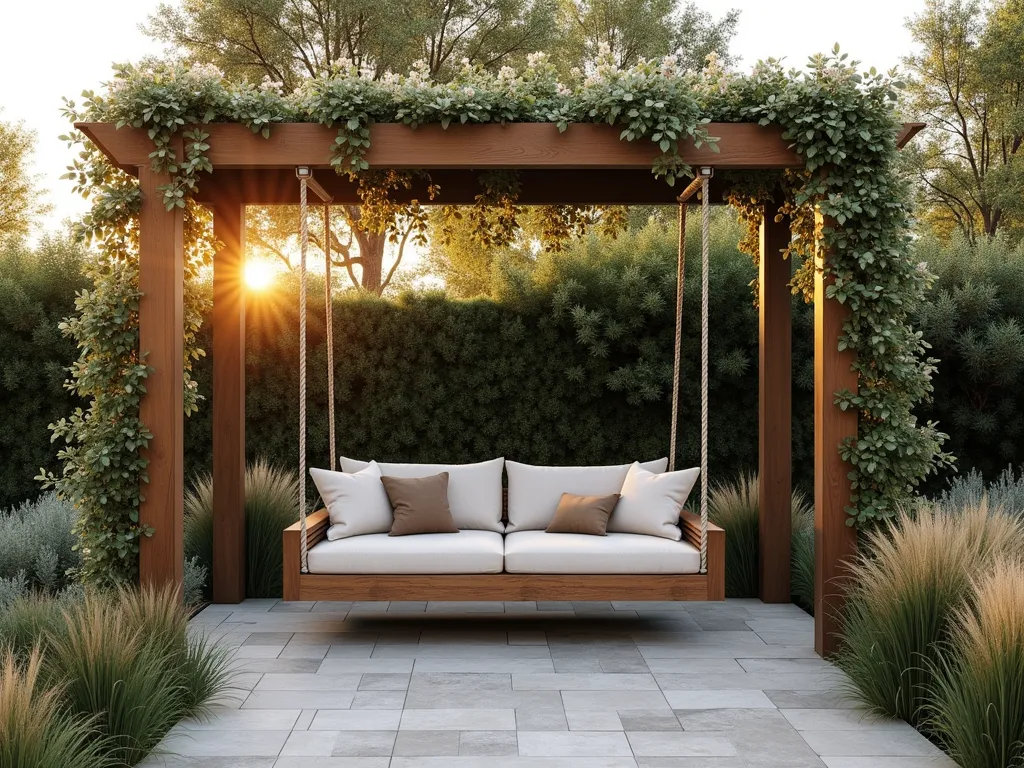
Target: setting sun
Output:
[{"x": 259, "y": 275}]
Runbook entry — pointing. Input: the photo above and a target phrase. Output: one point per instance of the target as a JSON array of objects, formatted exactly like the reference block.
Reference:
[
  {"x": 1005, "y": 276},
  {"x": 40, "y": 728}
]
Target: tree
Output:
[
  {"x": 968, "y": 85},
  {"x": 288, "y": 40},
  {"x": 643, "y": 29},
  {"x": 22, "y": 198}
]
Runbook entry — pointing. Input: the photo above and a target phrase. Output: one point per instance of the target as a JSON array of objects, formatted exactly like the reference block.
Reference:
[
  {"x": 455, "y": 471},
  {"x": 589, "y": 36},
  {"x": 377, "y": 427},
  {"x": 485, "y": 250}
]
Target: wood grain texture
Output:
[
  {"x": 161, "y": 342},
  {"x": 775, "y": 391},
  {"x": 228, "y": 330},
  {"x": 834, "y": 541},
  {"x": 316, "y": 530},
  {"x": 690, "y": 523},
  {"x": 501, "y": 587},
  {"x": 538, "y": 186},
  {"x": 516, "y": 145}
]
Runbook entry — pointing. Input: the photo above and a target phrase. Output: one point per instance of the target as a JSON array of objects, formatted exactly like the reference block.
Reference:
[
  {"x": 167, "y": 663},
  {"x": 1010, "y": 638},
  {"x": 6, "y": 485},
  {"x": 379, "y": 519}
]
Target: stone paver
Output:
[{"x": 531, "y": 685}]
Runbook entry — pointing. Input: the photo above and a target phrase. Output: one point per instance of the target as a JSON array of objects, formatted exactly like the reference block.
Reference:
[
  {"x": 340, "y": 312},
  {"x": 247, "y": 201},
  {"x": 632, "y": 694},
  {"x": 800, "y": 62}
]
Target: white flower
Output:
[
  {"x": 506, "y": 73},
  {"x": 207, "y": 71}
]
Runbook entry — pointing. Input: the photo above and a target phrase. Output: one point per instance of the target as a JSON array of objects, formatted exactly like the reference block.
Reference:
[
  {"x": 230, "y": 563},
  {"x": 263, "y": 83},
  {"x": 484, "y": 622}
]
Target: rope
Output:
[
  {"x": 705, "y": 238},
  {"x": 330, "y": 333},
  {"x": 680, "y": 265},
  {"x": 304, "y": 241}
]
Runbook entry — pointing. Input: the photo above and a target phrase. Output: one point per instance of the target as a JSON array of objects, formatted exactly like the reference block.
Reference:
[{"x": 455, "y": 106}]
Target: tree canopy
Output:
[
  {"x": 21, "y": 198},
  {"x": 967, "y": 83},
  {"x": 294, "y": 41}
]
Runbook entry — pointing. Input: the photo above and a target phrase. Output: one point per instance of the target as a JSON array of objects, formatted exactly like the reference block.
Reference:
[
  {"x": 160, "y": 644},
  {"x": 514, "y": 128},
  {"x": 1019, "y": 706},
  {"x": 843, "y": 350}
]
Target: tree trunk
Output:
[
  {"x": 371, "y": 256},
  {"x": 371, "y": 252}
]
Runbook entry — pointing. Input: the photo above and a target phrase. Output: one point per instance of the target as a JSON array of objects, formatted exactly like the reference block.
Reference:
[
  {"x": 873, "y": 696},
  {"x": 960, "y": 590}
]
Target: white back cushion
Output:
[
  {"x": 534, "y": 492},
  {"x": 474, "y": 490},
  {"x": 357, "y": 503},
  {"x": 650, "y": 503}
]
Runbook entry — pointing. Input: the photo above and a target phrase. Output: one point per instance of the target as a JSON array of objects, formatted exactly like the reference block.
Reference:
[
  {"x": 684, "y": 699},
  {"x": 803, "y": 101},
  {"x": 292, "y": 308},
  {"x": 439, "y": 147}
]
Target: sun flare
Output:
[{"x": 259, "y": 275}]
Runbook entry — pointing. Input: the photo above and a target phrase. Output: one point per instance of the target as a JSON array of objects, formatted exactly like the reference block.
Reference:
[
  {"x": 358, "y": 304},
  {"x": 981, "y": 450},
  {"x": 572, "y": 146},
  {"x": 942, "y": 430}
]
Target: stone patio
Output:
[{"x": 532, "y": 685}]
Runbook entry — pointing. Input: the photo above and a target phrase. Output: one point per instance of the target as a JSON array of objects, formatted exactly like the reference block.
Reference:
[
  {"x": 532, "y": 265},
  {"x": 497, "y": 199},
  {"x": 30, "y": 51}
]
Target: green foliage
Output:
[
  {"x": 967, "y": 83},
  {"x": 632, "y": 30},
  {"x": 905, "y": 588},
  {"x": 37, "y": 290},
  {"x": 22, "y": 199},
  {"x": 102, "y": 468},
  {"x": 735, "y": 505},
  {"x": 36, "y": 542},
  {"x": 34, "y": 728},
  {"x": 193, "y": 581},
  {"x": 977, "y": 712},
  {"x": 467, "y": 380},
  {"x": 271, "y": 505},
  {"x": 119, "y": 666},
  {"x": 125, "y": 659},
  {"x": 252, "y": 39},
  {"x": 974, "y": 320},
  {"x": 802, "y": 553},
  {"x": 841, "y": 122},
  {"x": 1006, "y": 491}
]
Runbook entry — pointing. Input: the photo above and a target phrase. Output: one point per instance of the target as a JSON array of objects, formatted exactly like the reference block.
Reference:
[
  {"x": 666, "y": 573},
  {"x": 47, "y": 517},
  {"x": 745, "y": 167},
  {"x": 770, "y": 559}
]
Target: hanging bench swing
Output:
[{"x": 311, "y": 529}]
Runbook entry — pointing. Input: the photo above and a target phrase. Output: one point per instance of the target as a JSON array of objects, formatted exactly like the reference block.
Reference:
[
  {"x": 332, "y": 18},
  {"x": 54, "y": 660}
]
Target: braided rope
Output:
[
  {"x": 330, "y": 333},
  {"x": 304, "y": 241},
  {"x": 705, "y": 238},
  {"x": 680, "y": 265}
]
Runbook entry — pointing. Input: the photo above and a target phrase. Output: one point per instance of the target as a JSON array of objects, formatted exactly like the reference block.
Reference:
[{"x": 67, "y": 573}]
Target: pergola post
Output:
[
  {"x": 161, "y": 342},
  {"x": 228, "y": 326},
  {"x": 774, "y": 410},
  {"x": 834, "y": 541}
]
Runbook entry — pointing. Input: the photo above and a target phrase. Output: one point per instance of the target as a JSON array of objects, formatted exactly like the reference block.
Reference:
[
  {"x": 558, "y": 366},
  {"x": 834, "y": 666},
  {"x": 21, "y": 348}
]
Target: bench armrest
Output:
[{"x": 316, "y": 530}]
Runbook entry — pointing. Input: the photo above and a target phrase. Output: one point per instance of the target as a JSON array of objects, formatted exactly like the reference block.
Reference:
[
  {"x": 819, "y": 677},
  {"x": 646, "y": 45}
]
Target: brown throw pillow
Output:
[
  {"x": 420, "y": 504},
  {"x": 583, "y": 514}
]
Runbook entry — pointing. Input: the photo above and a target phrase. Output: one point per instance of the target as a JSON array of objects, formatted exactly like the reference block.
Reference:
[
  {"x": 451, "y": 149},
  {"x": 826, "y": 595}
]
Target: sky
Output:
[{"x": 61, "y": 47}]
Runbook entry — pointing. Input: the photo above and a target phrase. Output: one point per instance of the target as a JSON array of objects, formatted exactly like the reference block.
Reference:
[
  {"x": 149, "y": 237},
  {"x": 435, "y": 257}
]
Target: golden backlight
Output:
[{"x": 259, "y": 275}]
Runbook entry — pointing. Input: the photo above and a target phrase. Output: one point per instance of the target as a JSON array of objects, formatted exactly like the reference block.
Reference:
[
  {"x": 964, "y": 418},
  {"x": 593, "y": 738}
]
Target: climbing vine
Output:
[{"x": 841, "y": 121}]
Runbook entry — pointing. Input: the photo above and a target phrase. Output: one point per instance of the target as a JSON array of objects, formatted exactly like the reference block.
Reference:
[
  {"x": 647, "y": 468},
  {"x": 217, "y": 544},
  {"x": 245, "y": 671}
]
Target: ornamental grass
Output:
[
  {"x": 735, "y": 506},
  {"x": 118, "y": 666},
  {"x": 271, "y": 505},
  {"x": 977, "y": 707},
  {"x": 904, "y": 589},
  {"x": 35, "y": 728}
]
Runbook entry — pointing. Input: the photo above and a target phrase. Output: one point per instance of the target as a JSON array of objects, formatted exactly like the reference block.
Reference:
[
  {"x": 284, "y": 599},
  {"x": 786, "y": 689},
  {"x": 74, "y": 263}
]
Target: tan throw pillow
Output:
[
  {"x": 420, "y": 504},
  {"x": 583, "y": 514}
]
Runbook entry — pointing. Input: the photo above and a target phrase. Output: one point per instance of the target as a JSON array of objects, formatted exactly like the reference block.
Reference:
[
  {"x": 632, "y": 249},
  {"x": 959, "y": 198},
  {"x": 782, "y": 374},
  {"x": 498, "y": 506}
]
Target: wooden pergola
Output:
[{"x": 587, "y": 164}]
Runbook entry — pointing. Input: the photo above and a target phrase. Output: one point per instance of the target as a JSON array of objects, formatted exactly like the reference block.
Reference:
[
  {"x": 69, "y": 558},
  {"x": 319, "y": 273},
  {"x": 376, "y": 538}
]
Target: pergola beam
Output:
[
  {"x": 278, "y": 186},
  {"x": 515, "y": 145}
]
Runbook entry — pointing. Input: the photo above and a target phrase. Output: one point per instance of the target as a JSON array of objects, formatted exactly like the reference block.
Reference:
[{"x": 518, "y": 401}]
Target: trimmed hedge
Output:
[
  {"x": 571, "y": 364},
  {"x": 424, "y": 377},
  {"x": 37, "y": 291}
]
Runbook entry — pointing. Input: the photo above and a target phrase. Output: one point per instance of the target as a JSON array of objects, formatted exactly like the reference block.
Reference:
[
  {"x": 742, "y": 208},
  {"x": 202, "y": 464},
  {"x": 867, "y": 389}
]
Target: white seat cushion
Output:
[
  {"x": 542, "y": 552},
  {"x": 535, "y": 491},
  {"x": 378, "y": 553},
  {"x": 474, "y": 490}
]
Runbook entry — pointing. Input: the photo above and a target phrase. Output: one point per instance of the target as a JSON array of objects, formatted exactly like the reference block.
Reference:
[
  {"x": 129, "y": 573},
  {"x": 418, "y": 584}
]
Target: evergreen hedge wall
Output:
[
  {"x": 571, "y": 364},
  {"x": 37, "y": 291}
]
